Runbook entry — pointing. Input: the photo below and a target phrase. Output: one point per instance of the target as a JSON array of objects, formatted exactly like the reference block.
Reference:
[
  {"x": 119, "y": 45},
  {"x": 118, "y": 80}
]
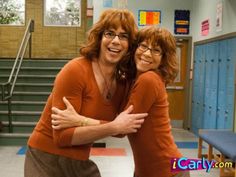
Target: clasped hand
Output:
[{"x": 124, "y": 123}]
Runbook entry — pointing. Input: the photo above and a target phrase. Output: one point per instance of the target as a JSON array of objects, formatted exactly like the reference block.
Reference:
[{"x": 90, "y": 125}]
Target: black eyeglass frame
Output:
[
  {"x": 112, "y": 35},
  {"x": 145, "y": 48}
]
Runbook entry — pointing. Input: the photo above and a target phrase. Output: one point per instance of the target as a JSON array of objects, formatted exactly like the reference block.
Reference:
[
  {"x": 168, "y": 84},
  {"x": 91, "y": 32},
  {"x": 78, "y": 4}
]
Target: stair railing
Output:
[{"x": 8, "y": 87}]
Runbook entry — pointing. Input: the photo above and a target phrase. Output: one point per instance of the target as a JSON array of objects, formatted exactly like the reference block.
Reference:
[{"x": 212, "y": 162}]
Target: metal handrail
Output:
[{"x": 8, "y": 87}]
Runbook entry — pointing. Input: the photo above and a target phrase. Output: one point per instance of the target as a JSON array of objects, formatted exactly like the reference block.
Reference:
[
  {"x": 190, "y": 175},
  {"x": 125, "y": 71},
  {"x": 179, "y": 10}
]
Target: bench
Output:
[{"x": 225, "y": 142}]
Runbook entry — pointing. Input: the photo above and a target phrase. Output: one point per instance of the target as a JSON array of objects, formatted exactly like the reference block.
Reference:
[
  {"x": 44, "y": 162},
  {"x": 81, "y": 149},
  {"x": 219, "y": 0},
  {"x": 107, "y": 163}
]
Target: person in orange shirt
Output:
[
  {"x": 153, "y": 145},
  {"x": 95, "y": 84}
]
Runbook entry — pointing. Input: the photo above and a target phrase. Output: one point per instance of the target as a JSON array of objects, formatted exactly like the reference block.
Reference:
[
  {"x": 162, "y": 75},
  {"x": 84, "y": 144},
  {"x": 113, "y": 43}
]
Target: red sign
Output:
[{"x": 205, "y": 27}]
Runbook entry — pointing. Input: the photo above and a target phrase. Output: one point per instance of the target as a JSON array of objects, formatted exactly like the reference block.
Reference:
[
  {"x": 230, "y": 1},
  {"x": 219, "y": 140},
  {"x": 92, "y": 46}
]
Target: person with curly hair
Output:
[
  {"x": 95, "y": 84},
  {"x": 153, "y": 145}
]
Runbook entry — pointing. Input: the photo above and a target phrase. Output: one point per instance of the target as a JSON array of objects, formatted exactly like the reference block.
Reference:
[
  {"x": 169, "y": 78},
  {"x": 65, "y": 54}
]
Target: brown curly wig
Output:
[
  {"x": 112, "y": 18},
  {"x": 168, "y": 67}
]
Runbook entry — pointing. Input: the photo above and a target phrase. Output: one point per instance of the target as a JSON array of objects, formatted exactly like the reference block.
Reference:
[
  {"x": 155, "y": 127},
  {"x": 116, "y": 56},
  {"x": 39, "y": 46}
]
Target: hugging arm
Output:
[
  {"x": 69, "y": 118},
  {"x": 124, "y": 123}
]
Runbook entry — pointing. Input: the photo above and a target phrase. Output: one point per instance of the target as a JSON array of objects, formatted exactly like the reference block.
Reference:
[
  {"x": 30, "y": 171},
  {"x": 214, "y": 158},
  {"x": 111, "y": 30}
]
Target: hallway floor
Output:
[{"x": 113, "y": 161}]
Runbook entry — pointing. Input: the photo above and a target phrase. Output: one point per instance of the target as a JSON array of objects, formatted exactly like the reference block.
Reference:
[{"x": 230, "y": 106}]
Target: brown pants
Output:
[
  {"x": 181, "y": 174},
  {"x": 42, "y": 164}
]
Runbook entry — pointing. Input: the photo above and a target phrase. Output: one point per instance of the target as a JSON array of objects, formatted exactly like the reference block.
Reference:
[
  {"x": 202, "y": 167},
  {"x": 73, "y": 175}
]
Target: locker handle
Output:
[
  {"x": 228, "y": 59},
  {"x": 204, "y": 105},
  {"x": 219, "y": 60},
  {"x": 212, "y": 60},
  {"x": 209, "y": 107},
  {"x": 226, "y": 112},
  {"x": 218, "y": 109}
]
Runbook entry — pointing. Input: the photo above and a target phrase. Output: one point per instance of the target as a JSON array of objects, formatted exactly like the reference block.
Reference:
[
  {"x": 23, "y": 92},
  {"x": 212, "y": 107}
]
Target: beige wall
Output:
[{"x": 47, "y": 42}]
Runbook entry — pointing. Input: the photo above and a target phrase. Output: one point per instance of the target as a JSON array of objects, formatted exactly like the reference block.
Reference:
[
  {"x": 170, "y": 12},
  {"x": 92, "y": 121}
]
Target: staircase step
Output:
[
  {"x": 36, "y": 62},
  {"x": 14, "y": 135},
  {"x": 25, "y": 102},
  {"x": 31, "y": 70},
  {"x": 21, "y": 113},
  {"x": 45, "y": 62},
  {"x": 14, "y": 139},
  {"x": 22, "y": 116},
  {"x": 30, "y": 78},
  {"x": 19, "y": 127},
  {"x": 31, "y": 93},
  {"x": 23, "y": 105},
  {"x": 30, "y": 96},
  {"x": 19, "y": 124},
  {"x": 33, "y": 87}
]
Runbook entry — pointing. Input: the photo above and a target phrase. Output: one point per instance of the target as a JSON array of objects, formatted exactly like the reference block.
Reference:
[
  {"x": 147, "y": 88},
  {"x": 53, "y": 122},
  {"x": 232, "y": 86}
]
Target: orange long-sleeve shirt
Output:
[
  {"x": 77, "y": 83},
  {"x": 153, "y": 145}
]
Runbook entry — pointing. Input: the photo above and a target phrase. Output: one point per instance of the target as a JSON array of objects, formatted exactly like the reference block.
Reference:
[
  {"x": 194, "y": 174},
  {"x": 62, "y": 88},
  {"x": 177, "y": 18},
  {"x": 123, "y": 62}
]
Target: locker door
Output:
[
  {"x": 206, "y": 121},
  {"x": 201, "y": 88},
  {"x": 197, "y": 52},
  {"x": 230, "y": 77},
  {"x": 213, "y": 54},
  {"x": 221, "y": 105}
]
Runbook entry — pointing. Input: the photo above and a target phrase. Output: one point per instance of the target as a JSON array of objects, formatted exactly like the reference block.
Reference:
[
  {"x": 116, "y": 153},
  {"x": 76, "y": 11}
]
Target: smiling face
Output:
[
  {"x": 147, "y": 57},
  {"x": 114, "y": 45}
]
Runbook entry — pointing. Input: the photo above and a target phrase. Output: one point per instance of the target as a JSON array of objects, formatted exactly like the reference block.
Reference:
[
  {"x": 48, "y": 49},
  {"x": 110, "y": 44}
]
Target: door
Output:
[{"x": 177, "y": 91}]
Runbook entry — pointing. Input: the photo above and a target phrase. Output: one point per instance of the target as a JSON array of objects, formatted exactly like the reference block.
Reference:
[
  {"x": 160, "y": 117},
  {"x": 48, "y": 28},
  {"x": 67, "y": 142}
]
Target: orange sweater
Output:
[
  {"x": 153, "y": 145},
  {"x": 77, "y": 83}
]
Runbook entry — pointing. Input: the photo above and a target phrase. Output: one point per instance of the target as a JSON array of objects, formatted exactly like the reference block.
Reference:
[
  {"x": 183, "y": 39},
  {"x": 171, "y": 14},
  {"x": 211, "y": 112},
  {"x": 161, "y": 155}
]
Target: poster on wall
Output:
[
  {"x": 149, "y": 17},
  {"x": 182, "y": 21},
  {"x": 205, "y": 25},
  {"x": 219, "y": 12}
]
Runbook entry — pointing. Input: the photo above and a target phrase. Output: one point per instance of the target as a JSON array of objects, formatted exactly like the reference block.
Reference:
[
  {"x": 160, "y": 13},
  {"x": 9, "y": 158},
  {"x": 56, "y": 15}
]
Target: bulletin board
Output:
[
  {"x": 149, "y": 17},
  {"x": 182, "y": 21}
]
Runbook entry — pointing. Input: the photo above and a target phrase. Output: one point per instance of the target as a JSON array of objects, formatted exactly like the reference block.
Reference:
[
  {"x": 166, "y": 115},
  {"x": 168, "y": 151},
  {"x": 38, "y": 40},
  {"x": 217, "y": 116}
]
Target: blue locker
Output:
[
  {"x": 213, "y": 85},
  {"x": 209, "y": 110},
  {"x": 202, "y": 74},
  {"x": 195, "y": 89},
  {"x": 198, "y": 87},
  {"x": 221, "y": 106},
  {"x": 201, "y": 83},
  {"x": 230, "y": 78},
  {"x": 213, "y": 53}
]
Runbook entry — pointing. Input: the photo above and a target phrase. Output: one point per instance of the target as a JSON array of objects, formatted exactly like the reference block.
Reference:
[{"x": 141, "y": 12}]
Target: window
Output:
[
  {"x": 12, "y": 12},
  {"x": 62, "y": 12}
]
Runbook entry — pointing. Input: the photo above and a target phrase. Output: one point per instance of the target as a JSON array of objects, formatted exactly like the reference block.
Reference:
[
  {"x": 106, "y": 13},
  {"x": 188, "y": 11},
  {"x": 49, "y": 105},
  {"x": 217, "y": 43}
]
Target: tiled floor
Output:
[{"x": 11, "y": 164}]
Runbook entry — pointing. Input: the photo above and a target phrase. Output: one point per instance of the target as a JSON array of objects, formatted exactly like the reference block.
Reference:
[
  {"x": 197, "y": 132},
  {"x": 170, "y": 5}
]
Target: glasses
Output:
[
  {"x": 112, "y": 35},
  {"x": 155, "y": 51}
]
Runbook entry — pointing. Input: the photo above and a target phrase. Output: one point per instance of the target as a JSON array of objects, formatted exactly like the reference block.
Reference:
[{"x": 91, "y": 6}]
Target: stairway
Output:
[{"x": 33, "y": 86}]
